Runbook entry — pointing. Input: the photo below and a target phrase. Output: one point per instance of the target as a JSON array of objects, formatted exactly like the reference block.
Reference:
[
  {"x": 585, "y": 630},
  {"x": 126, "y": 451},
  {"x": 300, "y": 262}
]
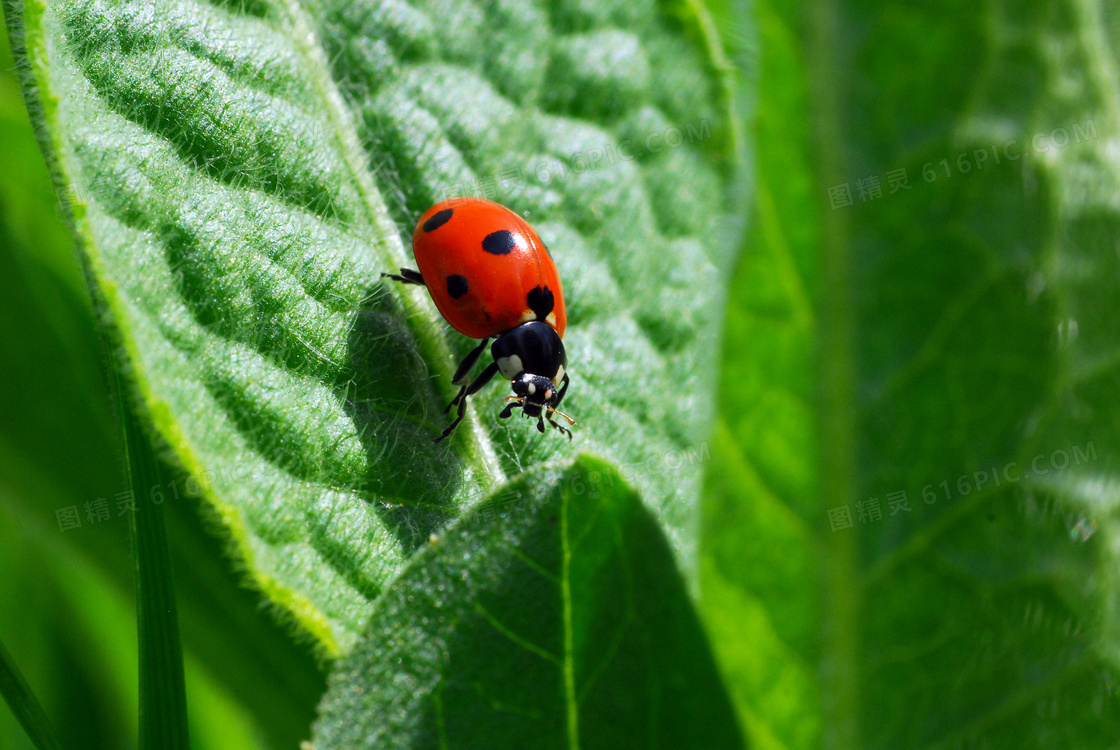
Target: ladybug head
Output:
[
  {"x": 531, "y": 356},
  {"x": 532, "y": 393}
]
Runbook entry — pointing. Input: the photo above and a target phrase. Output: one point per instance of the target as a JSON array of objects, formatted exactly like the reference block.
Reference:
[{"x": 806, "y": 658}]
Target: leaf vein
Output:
[{"x": 514, "y": 637}]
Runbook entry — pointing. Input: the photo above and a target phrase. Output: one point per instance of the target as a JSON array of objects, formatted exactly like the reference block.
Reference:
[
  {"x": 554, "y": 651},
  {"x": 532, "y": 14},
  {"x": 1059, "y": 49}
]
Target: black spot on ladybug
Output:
[
  {"x": 499, "y": 243},
  {"x": 457, "y": 285},
  {"x": 437, "y": 220},
  {"x": 540, "y": 301}
]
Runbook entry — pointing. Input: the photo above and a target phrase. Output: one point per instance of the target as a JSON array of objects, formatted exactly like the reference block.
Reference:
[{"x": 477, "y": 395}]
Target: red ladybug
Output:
[{"x": 490, "y": 275}]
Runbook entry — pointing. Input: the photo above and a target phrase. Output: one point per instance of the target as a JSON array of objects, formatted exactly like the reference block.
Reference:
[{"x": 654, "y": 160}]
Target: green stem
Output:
[
  {"x": 26, "y": 707},
  {"x": 163, "y": 698},
  {"x": 839, "y": 670}
]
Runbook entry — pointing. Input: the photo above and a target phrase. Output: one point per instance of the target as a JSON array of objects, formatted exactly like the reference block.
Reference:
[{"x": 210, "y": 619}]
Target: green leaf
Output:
[
  {"x": 924, "y": 341},
  {"x": 549, "y": 616},
  {"x": 58, "y": 448},
  {"x": 23, "y": 703},
  {"x": 239, "y": 175}
]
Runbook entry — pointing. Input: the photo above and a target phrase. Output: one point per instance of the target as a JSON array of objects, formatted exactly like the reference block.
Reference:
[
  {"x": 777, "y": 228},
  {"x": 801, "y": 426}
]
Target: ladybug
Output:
[{"x": 491, "y": 277}]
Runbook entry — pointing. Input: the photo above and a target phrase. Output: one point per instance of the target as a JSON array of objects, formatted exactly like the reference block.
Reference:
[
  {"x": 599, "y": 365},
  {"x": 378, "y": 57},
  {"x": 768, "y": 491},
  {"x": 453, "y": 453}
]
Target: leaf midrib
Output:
[{"x": 386, "y": 237}]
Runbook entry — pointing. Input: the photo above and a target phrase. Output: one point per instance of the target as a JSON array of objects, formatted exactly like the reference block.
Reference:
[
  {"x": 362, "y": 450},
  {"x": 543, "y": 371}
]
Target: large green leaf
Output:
[
  {"x": 925, "y": 340},
  {"x": 58, "y": 451},
  {"x": 239, "y": 175},
  {"x": 549, "y": 616}
]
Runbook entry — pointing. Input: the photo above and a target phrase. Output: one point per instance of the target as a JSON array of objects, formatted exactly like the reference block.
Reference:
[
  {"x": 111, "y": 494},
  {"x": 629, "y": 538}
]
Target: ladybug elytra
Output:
[{"x": 491, "y": 276}]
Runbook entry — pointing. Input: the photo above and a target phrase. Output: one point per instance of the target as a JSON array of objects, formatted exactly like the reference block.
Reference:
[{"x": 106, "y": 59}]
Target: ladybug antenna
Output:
[{"x": 571, "y": 421}]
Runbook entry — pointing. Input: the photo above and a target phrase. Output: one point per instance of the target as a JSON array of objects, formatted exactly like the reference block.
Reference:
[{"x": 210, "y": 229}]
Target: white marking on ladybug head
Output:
[{"x": 532, "y": 389}]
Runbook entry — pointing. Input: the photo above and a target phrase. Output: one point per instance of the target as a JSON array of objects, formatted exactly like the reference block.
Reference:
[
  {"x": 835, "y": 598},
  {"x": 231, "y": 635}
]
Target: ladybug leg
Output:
[
  {"x": 558, "y": 426},
  {"x": 560, "y": 397},
  {"x": 475, "y": 386},
  {"x": 406, "y": 276},
  {"x": 463, "y": 371}
]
